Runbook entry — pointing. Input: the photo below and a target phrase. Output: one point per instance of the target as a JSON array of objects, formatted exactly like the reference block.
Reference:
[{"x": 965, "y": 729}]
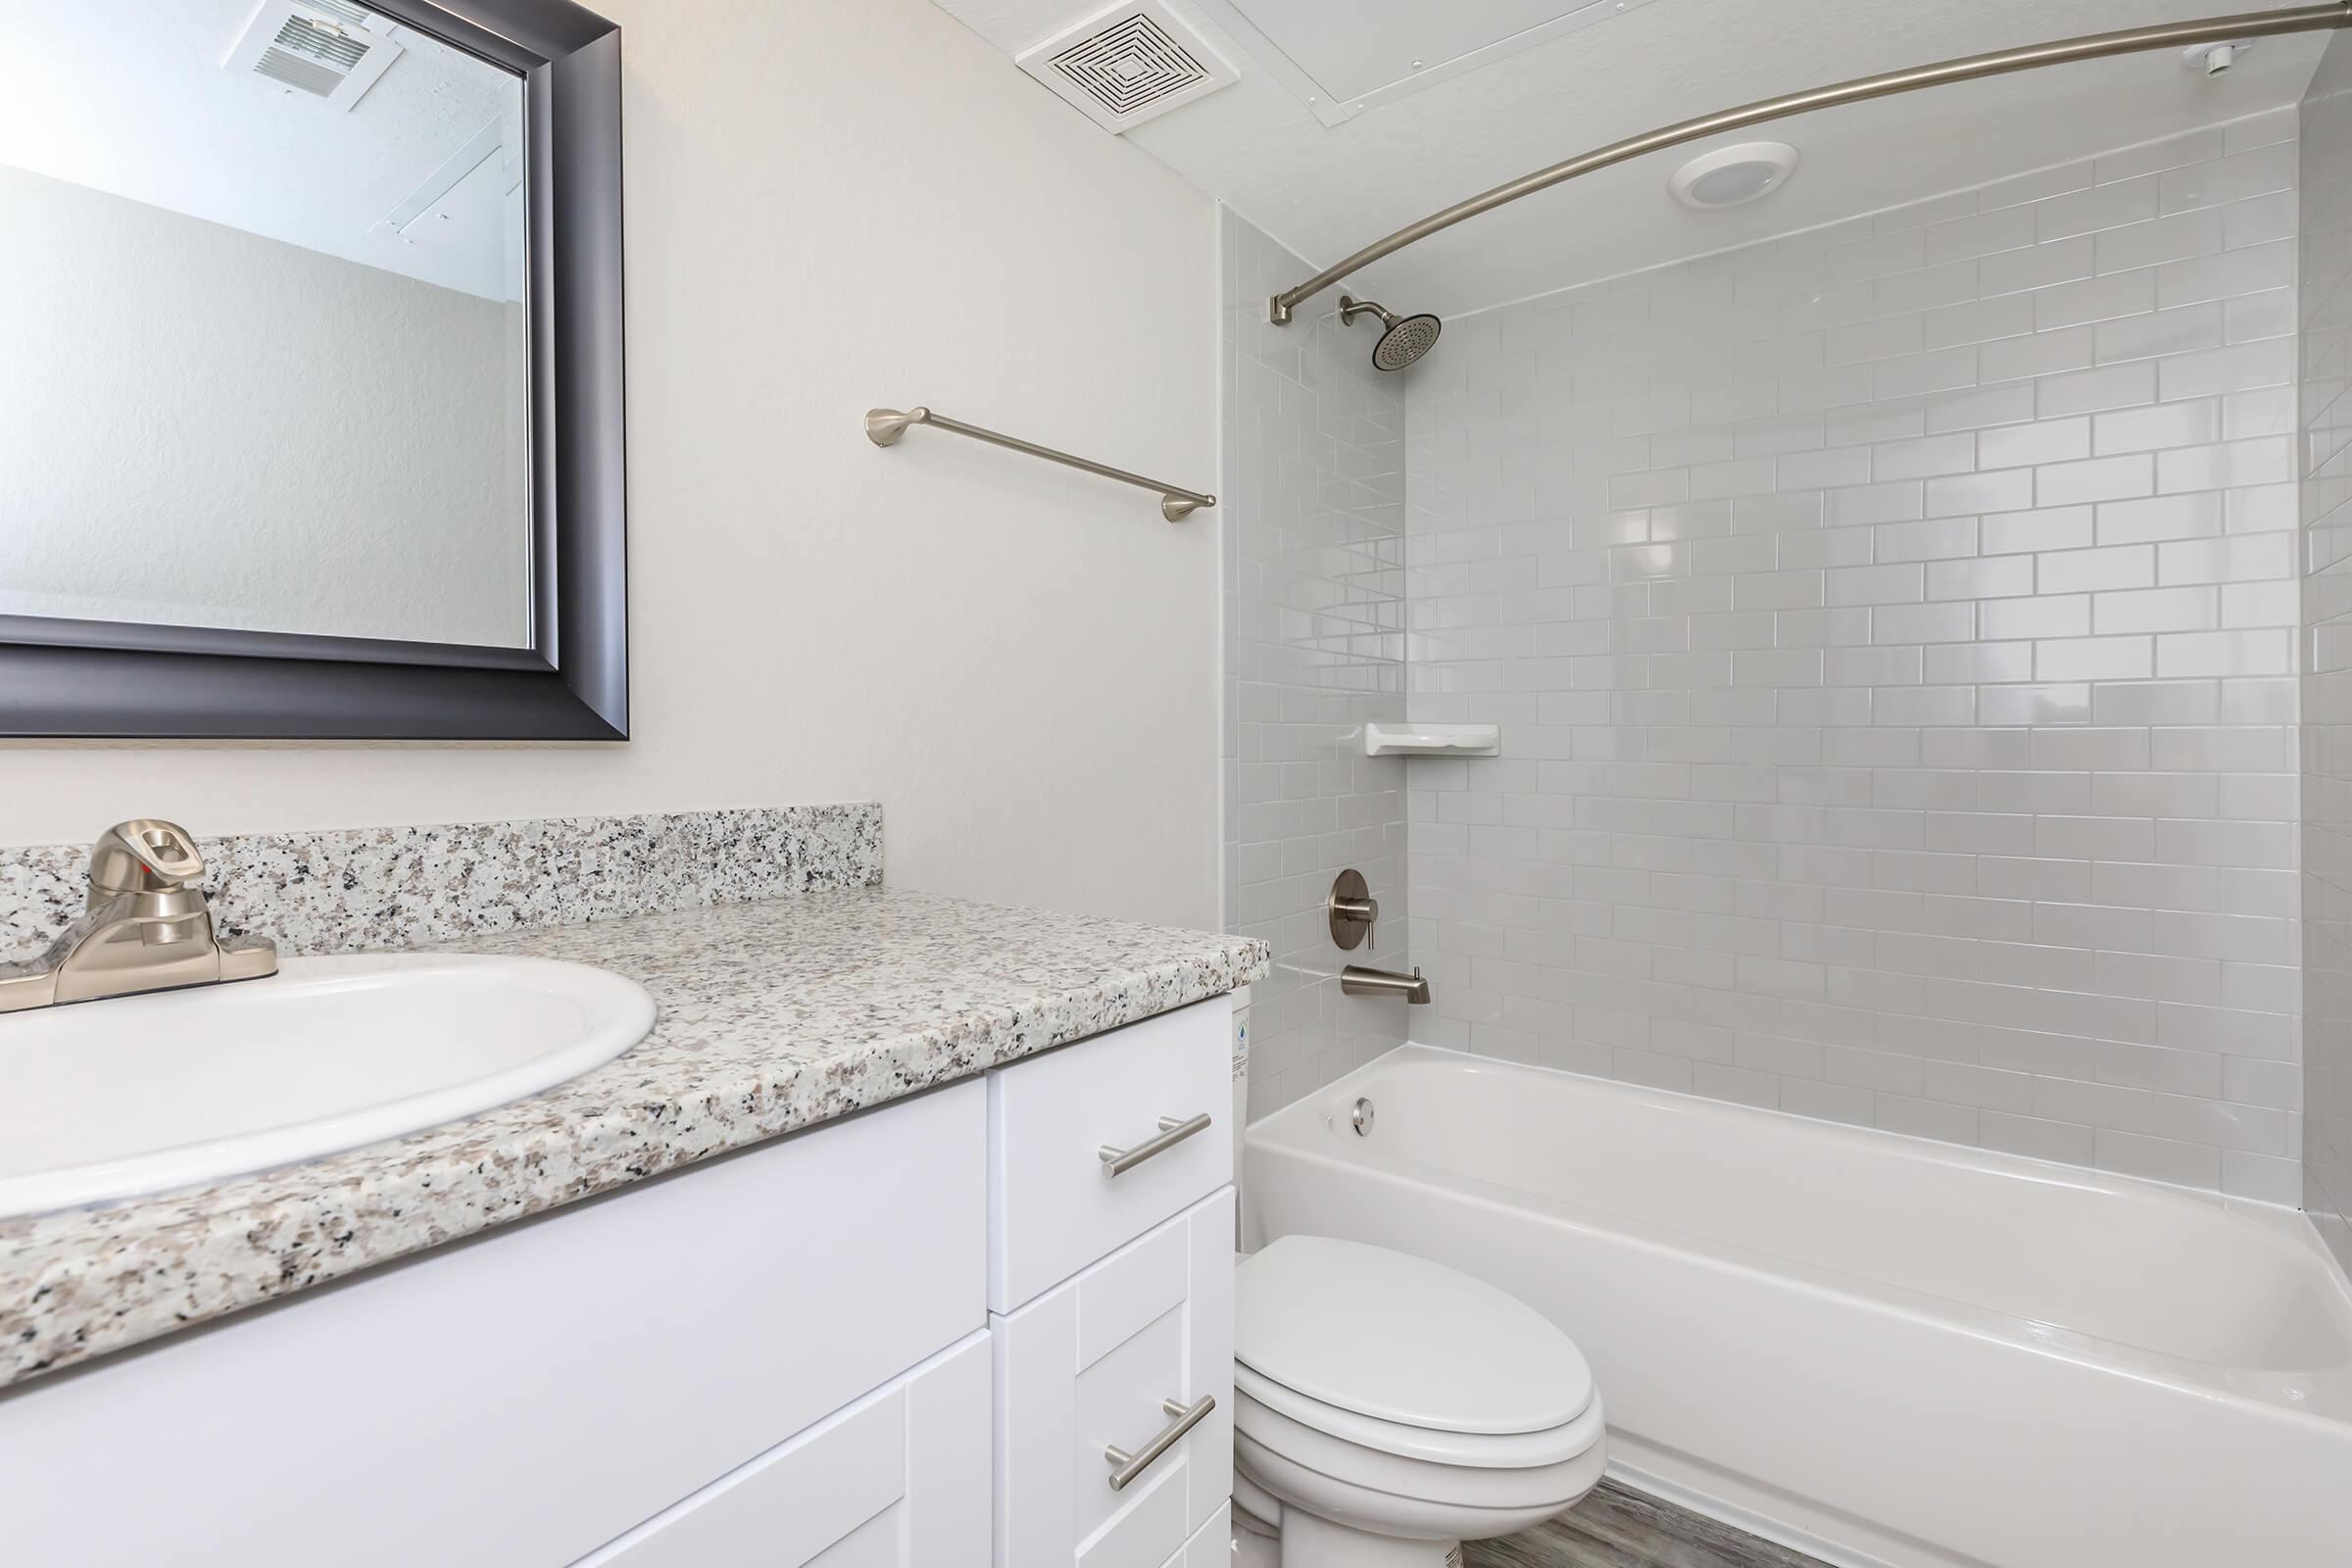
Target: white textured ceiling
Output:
[
  {"x": 132, "y": 100},
  {"x": 1326, "y": 192}
]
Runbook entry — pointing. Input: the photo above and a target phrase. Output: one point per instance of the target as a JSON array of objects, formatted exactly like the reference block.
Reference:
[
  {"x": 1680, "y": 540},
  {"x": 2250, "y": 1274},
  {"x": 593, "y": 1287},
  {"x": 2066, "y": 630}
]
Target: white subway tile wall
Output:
[
  {"x": 2326, "y": 467},
  {"x": 1893, "y": 634},
  {"x": 1312, "y": 506}
]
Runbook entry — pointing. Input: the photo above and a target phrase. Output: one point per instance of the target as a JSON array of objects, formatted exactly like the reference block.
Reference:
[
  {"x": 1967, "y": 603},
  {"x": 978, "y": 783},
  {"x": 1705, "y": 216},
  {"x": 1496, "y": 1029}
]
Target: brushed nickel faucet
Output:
[
  {"x": 145, "y": 926},
  {"x": 1358, "y": 981},
  {"x": 1353, "y": 916}
]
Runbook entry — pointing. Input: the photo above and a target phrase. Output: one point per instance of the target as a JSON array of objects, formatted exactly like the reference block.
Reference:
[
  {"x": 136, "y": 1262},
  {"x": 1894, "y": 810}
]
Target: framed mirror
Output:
[{"x": 310, "y": 371}]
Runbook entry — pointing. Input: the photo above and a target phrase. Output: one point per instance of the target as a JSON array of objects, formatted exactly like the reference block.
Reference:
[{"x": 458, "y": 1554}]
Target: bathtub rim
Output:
[{"x": 1299, "y": 1130}]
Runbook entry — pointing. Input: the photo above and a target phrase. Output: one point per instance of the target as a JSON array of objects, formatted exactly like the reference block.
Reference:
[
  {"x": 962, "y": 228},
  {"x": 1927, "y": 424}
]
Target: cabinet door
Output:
[
  {"x": 1097, "y": 1363},
  {"x": 1211, "y": 1545},
  {"x": 899, "y": 1479}
]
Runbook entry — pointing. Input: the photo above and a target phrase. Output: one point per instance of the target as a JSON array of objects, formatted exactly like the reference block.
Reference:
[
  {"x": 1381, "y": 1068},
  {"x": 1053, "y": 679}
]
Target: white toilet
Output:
[{"x": 1388, "y": 1408}]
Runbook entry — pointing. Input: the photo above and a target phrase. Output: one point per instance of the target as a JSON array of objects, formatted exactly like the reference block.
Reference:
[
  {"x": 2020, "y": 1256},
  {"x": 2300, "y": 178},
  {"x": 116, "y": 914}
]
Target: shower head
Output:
[{"x": 1407, "y": 339}]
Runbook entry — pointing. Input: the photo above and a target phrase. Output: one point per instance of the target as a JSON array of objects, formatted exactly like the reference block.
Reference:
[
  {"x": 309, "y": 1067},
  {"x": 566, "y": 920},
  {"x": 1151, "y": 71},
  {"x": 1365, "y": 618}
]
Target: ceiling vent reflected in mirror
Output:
[
  {"x": 1343, "y": 57},
  {"x": 327, "y": 49},
  {"x": 1127, "y": 65}
]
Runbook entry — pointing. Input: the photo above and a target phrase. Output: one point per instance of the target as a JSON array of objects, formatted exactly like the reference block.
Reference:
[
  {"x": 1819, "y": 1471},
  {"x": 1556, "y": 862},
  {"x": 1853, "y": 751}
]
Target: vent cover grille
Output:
[
  {"x": 311, "y": 57},
  {"x": 320, "y": 48},
  {"x": 1128, "y": 64}
]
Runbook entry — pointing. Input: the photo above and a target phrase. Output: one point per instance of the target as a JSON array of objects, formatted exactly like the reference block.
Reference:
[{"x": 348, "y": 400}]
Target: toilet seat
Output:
[
  {"x": 1351, "y": 1331},
  {"x": 1514, "y": 1450}
]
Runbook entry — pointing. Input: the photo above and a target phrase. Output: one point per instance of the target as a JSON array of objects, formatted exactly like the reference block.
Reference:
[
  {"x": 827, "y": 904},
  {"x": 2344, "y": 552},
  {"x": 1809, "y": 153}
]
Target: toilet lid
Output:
[{"x": 1402, "y": 1339}]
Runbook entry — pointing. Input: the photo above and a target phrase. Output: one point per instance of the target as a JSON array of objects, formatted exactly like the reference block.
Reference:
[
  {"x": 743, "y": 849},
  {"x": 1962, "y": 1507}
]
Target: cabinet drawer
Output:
[
  {"x": 1106, "y": 1360},
  {"x": 1055, "y": 1203},
  {"x": 899, "y": 1479}
]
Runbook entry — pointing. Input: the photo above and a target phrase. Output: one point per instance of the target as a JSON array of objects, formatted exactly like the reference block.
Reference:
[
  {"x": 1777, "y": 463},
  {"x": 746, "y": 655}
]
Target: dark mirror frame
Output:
[{"x": 102, "y": 679}]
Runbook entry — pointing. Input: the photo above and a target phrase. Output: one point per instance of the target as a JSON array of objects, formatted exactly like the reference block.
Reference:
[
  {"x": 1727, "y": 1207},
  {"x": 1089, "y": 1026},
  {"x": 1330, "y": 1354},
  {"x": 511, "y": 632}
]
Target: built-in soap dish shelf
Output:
[{"x": 1433, "y": 740}]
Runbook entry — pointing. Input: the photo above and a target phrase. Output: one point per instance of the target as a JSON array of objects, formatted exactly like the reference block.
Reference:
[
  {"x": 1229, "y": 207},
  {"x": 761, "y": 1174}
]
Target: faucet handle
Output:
[
  {"x": 1353, "y": 913},
  {"x": 145, "y": 854}
]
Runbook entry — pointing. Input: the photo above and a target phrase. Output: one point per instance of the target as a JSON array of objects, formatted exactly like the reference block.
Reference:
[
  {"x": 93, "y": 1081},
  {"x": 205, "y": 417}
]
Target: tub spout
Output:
[{"x": 1358, "y": 981}]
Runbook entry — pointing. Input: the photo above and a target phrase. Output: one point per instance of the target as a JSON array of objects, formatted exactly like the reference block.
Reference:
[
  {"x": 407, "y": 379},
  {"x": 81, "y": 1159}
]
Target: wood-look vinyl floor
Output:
[{"x": 1617, "y": 1528}]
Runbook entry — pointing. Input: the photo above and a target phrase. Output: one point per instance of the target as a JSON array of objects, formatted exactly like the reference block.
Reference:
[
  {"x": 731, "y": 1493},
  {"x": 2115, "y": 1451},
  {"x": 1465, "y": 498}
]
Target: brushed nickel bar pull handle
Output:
[
  {"x": 1125, "y": 1466},
  {"x": 884, "y": 426},
  {"x": 1119, "y": 1161}
]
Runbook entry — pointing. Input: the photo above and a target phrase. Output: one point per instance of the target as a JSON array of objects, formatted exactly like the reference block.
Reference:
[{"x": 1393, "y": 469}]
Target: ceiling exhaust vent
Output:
[
  {"x": 349, "y": 15},
  {"x": 327, "y": 49},
  {"x": 1126, "y": 65}
]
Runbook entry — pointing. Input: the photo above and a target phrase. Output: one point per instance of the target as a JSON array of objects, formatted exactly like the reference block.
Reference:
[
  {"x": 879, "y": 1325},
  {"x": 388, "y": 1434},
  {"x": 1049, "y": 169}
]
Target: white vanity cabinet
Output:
[
  {"x": 1114, "y": 1358},
  {"x": 1211, "y": 1545},
  {"x": 900, "y": 1339},
  {"x": 522, "y": 1399},
  {"x": 1110, "y": 1290},
  {"x": 1053, "y": 1205},
  {"x": 901, "y": 1479}
]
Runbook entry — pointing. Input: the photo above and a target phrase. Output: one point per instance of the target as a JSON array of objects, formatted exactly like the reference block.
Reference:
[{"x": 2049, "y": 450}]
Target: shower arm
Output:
[{"x": 2064, "y": 51}]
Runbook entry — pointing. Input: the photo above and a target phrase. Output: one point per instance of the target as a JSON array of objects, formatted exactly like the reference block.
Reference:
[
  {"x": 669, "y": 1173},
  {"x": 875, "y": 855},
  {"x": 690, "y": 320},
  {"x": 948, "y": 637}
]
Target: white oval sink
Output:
[{"x": 107, "y": 1099}]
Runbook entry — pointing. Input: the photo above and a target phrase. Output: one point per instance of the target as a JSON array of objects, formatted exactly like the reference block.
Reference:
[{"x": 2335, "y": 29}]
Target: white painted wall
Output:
[
  {"x": 829, "y": 207},
  {"x": 216, "y": 429}
]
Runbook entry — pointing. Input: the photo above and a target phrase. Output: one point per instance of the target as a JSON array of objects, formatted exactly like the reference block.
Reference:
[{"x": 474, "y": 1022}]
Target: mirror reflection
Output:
[{"x": 261, "y": 320}]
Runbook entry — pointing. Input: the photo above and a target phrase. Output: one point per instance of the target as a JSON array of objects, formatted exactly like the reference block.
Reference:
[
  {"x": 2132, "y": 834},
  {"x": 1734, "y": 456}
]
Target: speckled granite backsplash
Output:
[{"x": 361, "y": 888}]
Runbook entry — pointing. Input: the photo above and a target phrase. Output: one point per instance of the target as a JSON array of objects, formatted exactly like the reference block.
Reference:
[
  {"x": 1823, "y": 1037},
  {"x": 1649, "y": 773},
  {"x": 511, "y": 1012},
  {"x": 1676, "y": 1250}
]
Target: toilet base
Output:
[
  {"x": 1254, "y": 1548},
  {"x": 1256, "y": 1544},
  {"x": 1311, "y": 1542}
]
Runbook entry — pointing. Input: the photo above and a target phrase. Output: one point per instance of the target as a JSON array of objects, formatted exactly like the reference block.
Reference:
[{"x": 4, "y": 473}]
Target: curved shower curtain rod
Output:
[{"x": 2065, "y": 51}]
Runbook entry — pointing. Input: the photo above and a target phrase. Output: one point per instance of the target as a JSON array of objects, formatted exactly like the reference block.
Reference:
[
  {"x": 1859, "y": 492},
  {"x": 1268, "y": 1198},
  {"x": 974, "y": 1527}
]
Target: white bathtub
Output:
[{"x": 1905, "y": 1352}]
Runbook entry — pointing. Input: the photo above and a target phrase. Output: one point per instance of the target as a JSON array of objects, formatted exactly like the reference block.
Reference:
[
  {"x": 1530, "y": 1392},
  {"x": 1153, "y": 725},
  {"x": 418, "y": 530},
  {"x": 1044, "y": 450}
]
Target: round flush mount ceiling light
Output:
[{"x": 1729, "y": 176}]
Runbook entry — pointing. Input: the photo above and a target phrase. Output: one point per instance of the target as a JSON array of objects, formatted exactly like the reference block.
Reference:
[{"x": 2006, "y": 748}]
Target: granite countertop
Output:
[{"x": 773, "y": 1017}]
